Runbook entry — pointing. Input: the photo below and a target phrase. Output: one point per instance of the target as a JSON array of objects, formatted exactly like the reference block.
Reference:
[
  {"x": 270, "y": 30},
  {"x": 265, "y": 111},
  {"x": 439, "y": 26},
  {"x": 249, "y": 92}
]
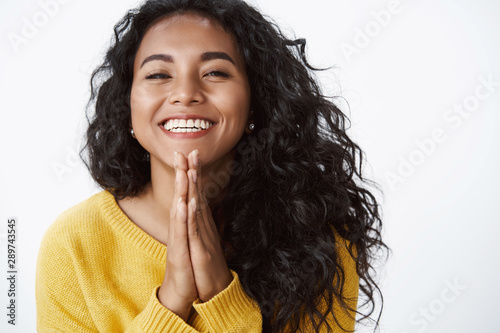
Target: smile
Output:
[{"x": 187, "y": 125}]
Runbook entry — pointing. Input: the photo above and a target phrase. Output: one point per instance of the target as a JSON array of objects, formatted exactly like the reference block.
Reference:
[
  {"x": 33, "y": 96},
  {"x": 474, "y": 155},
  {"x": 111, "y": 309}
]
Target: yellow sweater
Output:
[{"x": 99, "y": 272}]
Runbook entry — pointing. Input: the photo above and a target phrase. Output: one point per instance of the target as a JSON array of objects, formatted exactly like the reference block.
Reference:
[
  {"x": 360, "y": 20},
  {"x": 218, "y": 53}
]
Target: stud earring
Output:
[
  {"x": 132, "y": 132},
  {"x": 251, "y": 126}
]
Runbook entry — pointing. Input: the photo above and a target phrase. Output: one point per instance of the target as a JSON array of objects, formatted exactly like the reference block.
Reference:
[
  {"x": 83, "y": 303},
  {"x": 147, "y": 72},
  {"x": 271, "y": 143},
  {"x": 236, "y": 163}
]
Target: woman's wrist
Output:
[{"x": 181, "y": 309}]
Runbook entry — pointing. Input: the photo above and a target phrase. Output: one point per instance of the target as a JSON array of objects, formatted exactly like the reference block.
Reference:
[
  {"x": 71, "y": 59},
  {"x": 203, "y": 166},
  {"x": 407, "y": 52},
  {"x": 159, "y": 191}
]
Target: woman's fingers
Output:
[
  {"x": 202, "y": 203},
  {"x": 180, "y": 162},
  {"x": 179, "y": 246},
  {"x": 180, "y": 185},
  {"x": 194, "y": 235},
  {"x": 181, "y": 167},
  {"x": 195, "y": 225},
  {"x": 199, "y": 217},
  {"x": 209, "y": 264},
  {"x": 178, "y": 289}
]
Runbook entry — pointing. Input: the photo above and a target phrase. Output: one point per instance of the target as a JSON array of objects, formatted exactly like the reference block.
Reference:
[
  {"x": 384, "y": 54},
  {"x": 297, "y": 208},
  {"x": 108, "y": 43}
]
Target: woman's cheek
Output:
[{"x": 143, "y": 100}]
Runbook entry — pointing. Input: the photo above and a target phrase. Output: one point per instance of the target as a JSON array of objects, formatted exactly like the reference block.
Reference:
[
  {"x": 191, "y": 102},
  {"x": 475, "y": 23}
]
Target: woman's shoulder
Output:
[
  {"x": 81, "y": 219},
  {"x": 347, "y": 255},
  {"x": 345, "y": 248}
]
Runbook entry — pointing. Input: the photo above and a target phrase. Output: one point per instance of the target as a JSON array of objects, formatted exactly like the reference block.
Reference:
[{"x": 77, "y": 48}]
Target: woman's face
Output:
[{"x": 190, "y": 91}]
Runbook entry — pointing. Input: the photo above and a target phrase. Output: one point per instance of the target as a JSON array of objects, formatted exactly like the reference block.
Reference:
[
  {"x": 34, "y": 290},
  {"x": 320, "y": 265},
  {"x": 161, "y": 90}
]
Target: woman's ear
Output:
[
  {"x": 131, "y": 129},
  {"x": 250, "y": 124}
]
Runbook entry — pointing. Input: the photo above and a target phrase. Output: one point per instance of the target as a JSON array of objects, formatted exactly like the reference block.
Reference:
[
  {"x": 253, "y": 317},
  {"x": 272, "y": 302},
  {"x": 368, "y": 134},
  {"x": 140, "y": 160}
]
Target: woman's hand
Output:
[
  {"x": 210, "y": 269},
  {"x": 196, "y": 266},
  {"x": 178, "y": 290}
]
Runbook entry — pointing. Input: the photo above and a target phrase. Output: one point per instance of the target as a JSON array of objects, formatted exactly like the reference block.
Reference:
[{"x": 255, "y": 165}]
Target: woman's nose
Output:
[{"x": 186, "y": 91}]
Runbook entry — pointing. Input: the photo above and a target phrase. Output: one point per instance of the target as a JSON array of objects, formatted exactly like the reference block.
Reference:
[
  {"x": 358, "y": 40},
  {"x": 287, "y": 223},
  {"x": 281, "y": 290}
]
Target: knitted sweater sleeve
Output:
[
  {"x": 232, "y": 310},
  {"x": 62, "y": 304}
]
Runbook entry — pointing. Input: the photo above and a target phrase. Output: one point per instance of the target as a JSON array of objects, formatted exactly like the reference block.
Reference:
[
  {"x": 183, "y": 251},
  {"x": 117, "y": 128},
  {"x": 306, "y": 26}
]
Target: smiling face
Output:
[{"x": 190, "y": 91}]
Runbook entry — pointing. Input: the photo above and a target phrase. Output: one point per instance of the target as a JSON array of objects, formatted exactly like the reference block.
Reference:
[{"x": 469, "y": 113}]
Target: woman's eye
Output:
[
  {"x": 217, "y": 73},
  {"x": 157, "y": 76}
]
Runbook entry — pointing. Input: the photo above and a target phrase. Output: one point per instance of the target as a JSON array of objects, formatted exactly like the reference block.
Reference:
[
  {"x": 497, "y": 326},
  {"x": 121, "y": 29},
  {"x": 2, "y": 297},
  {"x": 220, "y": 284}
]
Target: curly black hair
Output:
[{"x": 296, "y": 184}]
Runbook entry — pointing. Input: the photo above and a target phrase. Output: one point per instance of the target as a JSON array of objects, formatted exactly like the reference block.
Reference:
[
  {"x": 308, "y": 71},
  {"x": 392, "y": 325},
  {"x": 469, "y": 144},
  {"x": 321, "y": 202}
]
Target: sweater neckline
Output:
[{"x": 120, "y": 221}]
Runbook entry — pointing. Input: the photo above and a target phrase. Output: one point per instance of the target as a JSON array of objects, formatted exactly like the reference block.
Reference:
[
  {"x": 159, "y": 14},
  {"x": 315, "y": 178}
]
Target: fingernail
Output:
[
  {"x": 194, "y": 176},
  {"x": 177, "y": 176},
  {"x": 196, "y": 159},
  {"x": 175, "y": 160},
  {"x": 192, "y": 203}
]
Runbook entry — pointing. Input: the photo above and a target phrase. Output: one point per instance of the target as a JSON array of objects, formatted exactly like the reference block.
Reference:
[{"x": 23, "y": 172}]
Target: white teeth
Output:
[{"x": 187, "y": 126}]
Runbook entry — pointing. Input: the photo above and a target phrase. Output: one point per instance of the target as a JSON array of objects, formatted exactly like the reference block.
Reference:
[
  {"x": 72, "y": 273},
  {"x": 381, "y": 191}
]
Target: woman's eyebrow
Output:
[
  {"x": 204, "y": 57},
  {"x": 216, "y": 55},
  {"x": 162, "y": 57}
]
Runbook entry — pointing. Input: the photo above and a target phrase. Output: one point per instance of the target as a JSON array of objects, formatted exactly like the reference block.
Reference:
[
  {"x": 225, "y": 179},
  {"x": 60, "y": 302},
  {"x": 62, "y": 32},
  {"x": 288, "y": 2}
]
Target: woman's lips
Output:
[
  {"x": 187, "y": 133},
  {"x": 187, "y": 125},
  {"x": 184, "y": 125}
]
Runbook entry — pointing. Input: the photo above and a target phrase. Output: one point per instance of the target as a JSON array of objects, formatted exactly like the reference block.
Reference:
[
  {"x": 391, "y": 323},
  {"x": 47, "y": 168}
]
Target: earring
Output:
[
  {"x": 132, "y": 133},
  {"x": 251, "y": 126}
]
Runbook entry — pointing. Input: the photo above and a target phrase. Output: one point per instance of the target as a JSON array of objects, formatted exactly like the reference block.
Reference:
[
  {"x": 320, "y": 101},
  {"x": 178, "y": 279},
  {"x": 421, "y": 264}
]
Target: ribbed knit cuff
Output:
[
  {"x": 158, "y": 318},
  {"x": 228, "y": 309}
]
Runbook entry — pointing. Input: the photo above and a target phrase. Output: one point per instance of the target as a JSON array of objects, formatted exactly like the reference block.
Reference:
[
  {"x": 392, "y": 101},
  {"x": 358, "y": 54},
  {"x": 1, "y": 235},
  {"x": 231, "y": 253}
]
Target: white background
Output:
[{"x": 441, "y": 205}]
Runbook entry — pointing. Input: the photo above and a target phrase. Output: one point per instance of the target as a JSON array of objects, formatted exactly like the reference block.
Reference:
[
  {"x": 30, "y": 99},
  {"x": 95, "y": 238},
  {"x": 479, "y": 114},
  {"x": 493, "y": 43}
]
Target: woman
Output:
[{"x": 229, "y": 203}]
